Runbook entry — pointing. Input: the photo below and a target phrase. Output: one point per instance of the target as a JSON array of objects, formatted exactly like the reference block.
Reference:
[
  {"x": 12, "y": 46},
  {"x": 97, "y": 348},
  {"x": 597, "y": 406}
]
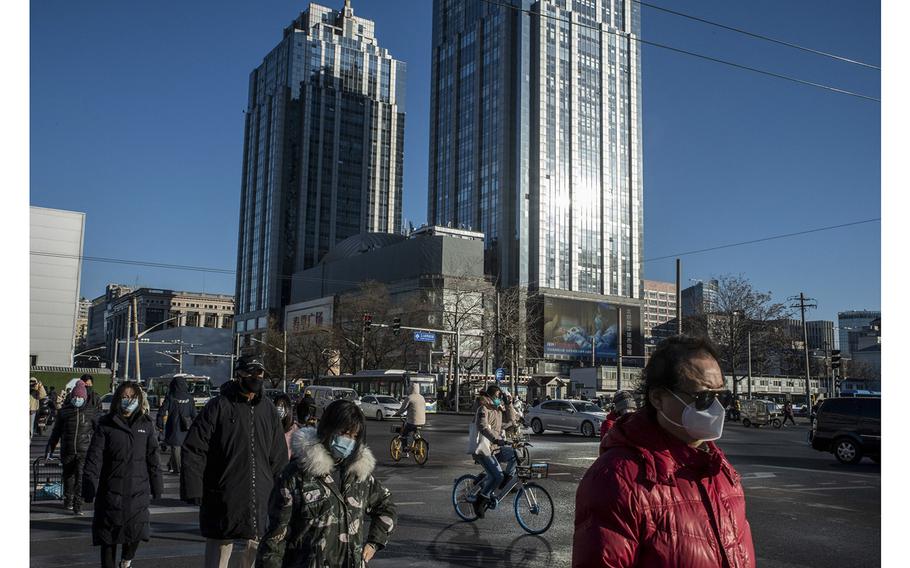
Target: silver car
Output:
[
  {"x": 379, "y": 406},
  {"x": 566, "y": 416}
]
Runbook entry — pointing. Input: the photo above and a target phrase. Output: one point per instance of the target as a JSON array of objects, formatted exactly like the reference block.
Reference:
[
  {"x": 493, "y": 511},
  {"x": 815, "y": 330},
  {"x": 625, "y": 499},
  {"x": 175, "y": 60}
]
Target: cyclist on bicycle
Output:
[
  {"x": 490, "y": 449},
  {"x": 306, "y": 409},
  {"x": 416, "y": 407}
]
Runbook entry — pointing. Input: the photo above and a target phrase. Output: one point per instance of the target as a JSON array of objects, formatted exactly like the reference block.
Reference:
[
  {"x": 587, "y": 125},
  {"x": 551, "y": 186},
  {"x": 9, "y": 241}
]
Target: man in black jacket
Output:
[
  {"x": 73, "y": 429},
  {"x": 234, "y": 450}
]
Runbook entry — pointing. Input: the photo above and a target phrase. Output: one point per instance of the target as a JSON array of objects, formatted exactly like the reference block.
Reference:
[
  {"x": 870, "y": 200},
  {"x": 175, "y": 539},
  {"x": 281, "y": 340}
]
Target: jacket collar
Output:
[
  {"x": 232, "y": 391},
  {"x": 315, "y": 460},
  {"x": 662, "y": 454}
]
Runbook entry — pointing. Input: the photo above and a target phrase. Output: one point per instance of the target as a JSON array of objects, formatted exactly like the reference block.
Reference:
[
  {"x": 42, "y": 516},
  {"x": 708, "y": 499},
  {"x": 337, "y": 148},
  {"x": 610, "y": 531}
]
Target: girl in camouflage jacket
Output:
[{"x": 320, "y": 500}]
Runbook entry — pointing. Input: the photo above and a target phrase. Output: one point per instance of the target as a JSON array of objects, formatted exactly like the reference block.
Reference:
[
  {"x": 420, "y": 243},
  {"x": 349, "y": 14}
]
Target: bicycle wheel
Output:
[
  {"x": 534, "y": 508},
  {"x": 395, "y": 448},
  {"x": 421, "y": 451},
  {"x": 466, "y": 486}
]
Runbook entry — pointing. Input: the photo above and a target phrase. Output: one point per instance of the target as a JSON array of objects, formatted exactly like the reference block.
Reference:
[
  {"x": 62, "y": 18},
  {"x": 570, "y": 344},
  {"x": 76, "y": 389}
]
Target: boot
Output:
[{"x": 480, "y": 506}]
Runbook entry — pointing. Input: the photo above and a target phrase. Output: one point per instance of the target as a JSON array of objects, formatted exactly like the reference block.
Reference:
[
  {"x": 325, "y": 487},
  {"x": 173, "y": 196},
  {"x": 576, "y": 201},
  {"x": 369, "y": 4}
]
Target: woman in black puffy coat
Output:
[
  {"x": 175, "y": 418},
  {"x": 121, "y": 476}
]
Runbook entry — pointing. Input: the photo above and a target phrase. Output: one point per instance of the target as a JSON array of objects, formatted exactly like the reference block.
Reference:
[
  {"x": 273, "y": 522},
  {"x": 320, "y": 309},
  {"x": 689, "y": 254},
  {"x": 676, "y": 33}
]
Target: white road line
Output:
[
  {"x": 409, "y": 503},
  {"x": 847, "y": 487},
  {"x": 88, "y": 514},
  {"x": 585, "y": 458},
  {"x": 814, "y": 470},
  {"x": 801, "y": 485},
  {"x": 560, "y": 473},
  {"x": 759, "y": 475}
]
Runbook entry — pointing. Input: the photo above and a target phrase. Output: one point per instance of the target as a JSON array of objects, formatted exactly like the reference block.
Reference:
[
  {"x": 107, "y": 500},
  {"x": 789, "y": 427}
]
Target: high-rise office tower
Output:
[
  {"x": 535, "y": 139},
  {"x": 322, "y": 153}
]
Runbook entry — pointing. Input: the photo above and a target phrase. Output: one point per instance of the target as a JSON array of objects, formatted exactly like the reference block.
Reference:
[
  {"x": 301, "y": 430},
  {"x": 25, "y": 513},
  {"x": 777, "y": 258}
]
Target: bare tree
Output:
[
  {"x": 519, "y": 329},
  {"x": 738, "y": 312},
  {"x": 311, "y": 353}
]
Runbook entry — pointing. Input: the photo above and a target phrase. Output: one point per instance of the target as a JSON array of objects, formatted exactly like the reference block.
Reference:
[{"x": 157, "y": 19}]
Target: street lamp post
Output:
[{"x": 284, "y": 355}]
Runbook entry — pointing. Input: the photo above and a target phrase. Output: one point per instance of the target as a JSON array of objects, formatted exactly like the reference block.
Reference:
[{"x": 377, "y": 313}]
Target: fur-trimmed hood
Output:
[{"x": 315, "y": 460}]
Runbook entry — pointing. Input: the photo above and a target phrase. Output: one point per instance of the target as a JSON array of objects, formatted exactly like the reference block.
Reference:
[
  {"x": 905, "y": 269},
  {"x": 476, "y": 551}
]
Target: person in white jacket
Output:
[{"x": 416, "y": 408}]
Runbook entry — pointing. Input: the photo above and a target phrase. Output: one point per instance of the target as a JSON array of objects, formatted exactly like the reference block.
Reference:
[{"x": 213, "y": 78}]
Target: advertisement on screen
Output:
[{"x": 578, "y": 329}]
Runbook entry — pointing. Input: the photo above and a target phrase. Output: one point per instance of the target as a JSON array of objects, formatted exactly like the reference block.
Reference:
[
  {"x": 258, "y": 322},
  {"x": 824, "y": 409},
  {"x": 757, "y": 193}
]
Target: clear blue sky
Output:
[{"x": 136, "y": 119}]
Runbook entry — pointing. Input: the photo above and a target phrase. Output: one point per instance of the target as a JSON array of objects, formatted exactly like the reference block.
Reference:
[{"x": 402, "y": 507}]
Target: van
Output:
[
  {"x": 325, "y": 396},
  {"x": 849, "y": 428},
  {"x": 758, "y": 413}
]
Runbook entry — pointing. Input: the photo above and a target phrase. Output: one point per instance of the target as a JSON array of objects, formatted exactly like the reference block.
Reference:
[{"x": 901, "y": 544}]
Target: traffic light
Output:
[
  {"x": 396, "y": 326},
  {"x": 367, "y": 322},
  {"x": 835, "y": 359}
]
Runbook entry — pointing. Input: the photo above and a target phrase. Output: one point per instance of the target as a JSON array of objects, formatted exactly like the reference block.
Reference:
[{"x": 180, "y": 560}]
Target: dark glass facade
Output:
[
  {"x": 322, "y": 156},
  {"x": 536, "y": 139}
]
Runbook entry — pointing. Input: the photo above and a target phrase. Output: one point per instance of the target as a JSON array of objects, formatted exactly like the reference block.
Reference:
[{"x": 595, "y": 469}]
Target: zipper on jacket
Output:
[
  {"x": 254, "y": 502},
  {"x": 76, "y": 433}
]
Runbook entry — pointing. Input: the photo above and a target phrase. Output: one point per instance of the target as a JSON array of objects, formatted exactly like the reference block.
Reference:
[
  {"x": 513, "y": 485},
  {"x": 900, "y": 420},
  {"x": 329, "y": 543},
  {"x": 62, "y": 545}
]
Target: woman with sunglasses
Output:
[
  {"x": 662, "y": 493},
  {"x": 121, "y": 476}
]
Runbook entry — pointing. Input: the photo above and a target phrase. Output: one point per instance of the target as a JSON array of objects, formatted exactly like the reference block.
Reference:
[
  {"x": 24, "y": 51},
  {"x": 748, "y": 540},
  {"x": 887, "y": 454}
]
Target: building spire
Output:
[{"x": 348, "y": 11}]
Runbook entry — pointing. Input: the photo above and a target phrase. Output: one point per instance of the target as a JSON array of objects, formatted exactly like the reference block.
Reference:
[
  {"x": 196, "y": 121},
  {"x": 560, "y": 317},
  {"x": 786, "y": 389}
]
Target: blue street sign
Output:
[
  {"x": 500, "y": 374},
  {"x": 427, "y": 336}
]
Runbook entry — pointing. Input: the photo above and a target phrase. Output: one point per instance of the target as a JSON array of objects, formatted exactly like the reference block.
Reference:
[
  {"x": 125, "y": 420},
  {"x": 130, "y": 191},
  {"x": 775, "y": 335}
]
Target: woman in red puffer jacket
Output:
[{"x": 663, "y": 494}]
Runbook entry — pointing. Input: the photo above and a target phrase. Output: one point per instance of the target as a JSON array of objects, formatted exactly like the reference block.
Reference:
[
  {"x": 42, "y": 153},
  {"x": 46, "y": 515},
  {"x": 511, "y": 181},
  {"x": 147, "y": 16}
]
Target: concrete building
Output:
[
  {"x": 55, "y": 267},
  {"x": 658, "y": 311},
  {"x": 164, "y": 309},
  {"x": 322, "y": 154},
  {"x": 535, "y": 140},
  {"x": 853, "y": 320},
  {"x": 81, "y": 332},
  {"x": 820, "y": 334},
  {"x": 700, "y": 298},
  {"x": 866, "y": 346}
]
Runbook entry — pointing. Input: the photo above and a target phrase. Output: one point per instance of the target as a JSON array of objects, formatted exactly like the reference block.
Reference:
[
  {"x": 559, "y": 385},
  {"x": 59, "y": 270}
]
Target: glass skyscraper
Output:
[
  {"x": 536, "y": 139},
  {"x": 322, "y": 153}
]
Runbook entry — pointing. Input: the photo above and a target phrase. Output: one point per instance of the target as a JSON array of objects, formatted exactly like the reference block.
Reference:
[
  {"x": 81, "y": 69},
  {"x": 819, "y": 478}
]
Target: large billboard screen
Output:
[{"x": 579, "y": 329}]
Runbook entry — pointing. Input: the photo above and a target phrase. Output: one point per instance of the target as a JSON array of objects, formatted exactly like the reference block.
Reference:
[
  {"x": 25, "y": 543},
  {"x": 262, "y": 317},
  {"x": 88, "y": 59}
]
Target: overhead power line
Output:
[
  {"x": 230, "y": 272},
  {"x": 759, "y": 36},
  {"x": 763, "y": 239},
  {"x": 690, "y": 53}
]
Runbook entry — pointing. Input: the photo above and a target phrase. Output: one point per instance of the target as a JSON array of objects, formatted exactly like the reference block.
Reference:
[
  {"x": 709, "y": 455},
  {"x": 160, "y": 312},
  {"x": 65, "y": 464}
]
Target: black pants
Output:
[
  {"x": 173, "y": 462},
  {"x": 406, "y": 432},
  {"x": 789, "y": 417},
  {"x": 109, "y": 554},
  {"x": 72, "y": 480}
]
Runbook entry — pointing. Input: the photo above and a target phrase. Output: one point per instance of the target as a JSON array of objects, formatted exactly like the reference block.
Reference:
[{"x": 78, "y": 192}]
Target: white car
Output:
[{"x": 379, "y": 406}]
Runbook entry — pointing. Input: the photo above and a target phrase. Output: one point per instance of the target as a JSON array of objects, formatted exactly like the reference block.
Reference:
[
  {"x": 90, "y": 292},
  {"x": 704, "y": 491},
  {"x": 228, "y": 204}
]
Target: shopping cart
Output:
[{"x": 47, "y": 480}]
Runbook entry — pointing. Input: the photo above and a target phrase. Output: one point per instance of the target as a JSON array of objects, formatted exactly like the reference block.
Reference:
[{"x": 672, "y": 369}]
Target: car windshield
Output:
[
  {"x": 199, "y": 389},
  {"x": 386, "y": 400},
  {"x": 343, "y": 394},
  {"x": 586, "y": 407}
]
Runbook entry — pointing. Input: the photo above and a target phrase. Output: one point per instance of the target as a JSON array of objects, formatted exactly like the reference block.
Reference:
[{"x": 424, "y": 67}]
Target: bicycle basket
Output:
[{"x": 534, "y": 471}]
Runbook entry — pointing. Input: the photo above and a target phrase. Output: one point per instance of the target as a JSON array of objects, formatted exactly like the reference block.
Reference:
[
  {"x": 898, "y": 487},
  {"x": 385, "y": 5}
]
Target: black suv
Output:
[{"x": 850, "y": 428}]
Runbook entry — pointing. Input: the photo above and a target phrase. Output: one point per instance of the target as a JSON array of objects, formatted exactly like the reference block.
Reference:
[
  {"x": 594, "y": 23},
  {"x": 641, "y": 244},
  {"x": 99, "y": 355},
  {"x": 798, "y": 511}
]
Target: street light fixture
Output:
[{"x": 284, "y": 374}]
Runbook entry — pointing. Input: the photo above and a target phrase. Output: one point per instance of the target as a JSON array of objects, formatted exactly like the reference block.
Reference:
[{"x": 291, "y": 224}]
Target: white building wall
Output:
[{"x": 55, "y": 266}]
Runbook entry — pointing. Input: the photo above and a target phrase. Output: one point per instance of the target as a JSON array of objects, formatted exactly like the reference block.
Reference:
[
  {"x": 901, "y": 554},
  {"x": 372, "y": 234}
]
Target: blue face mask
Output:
[
  {"x": 343, "y": 446},
  {"x": 129, "y": 406},
  {"x": 78, "y": 402},
  {"x": 496, "y": 402}
]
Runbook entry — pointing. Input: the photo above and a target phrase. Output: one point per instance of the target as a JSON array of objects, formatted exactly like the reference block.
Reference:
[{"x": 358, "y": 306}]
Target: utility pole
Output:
[
  {"x": 804, "y": 303},
  {"x": 126, "y": 363},
  {"x": 619, "y": 345},
  {"x": 457, "y": 367},
  {"x": 679, "y": 329},
  {"x": 136, "y": 333},
  {"x": 749, "y": 347},
  {"x": 284, "y": 363}
]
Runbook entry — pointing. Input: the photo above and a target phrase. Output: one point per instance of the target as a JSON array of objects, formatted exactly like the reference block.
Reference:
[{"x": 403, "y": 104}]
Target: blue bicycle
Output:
[{"x": 533, "y": 506}]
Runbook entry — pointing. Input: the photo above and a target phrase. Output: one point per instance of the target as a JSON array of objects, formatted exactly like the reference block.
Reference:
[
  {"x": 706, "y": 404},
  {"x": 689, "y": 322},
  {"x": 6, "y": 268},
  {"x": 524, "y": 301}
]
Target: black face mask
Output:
[
  {"x": 251, "y": 384},
  {"x": 88, "y": 391}
]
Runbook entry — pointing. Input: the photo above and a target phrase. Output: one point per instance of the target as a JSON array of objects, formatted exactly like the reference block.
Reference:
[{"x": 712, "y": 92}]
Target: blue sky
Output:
[{"x": 136, "y": 119}]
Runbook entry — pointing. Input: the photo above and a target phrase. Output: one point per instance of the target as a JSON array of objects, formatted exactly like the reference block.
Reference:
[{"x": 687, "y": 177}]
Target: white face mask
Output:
[{"x": 703, "y": 425}]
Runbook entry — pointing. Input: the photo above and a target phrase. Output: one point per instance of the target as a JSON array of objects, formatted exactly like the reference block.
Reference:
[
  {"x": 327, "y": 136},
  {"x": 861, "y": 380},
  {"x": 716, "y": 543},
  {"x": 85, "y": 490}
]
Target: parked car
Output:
[
  {"x": 566, "y": 416},
  {"x": 106, "y": 402},
  {"x": 758, "y": 412},
  {"x": 849, "y": 428},
  {"x": 379, "y": 406}
]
